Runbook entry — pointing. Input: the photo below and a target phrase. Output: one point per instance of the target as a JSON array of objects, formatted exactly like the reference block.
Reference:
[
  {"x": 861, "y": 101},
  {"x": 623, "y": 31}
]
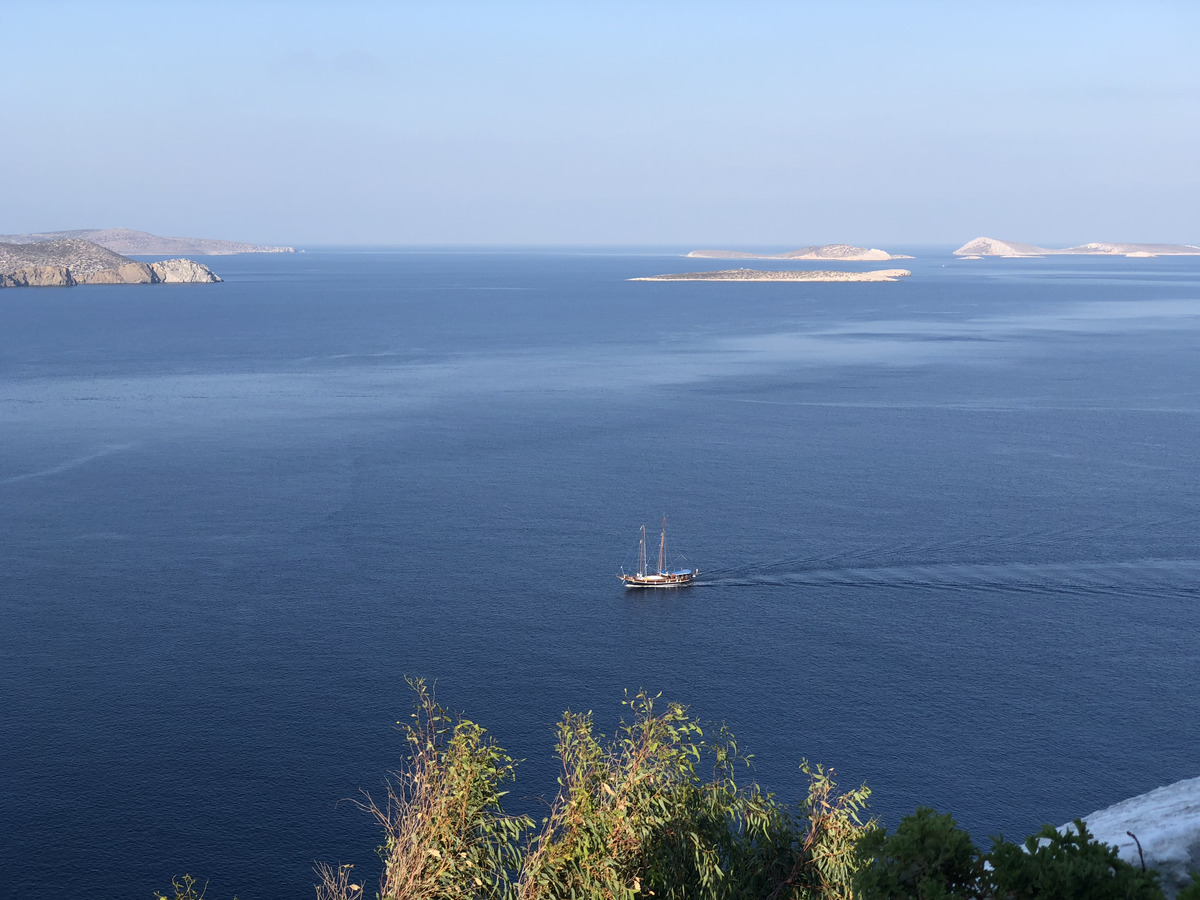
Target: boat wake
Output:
[
  {"x": 68, "y": 465},
  {"x": 1149, "y": 577}
]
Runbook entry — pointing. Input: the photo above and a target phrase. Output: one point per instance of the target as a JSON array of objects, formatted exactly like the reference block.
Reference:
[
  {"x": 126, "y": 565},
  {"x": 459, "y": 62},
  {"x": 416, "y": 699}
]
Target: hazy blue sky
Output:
[{"x": 693, "y": 123}]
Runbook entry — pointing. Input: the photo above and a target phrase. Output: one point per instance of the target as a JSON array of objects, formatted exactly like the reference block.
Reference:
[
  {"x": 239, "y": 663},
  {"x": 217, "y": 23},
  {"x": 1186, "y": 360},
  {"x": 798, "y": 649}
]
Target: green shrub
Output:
[
  {"x": 1070, "y": 866},
  {"x": 446, "y": 836},
  {"x": 657, "y": 811},
  {"x": 1192, "y": 891},
  {"x": 928, "y": 858},
  {"x": 634, "y": 817}
]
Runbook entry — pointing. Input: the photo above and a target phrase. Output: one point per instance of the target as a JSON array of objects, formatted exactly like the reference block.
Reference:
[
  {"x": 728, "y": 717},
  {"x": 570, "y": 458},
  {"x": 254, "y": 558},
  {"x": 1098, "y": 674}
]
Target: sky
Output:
[{"x": 607, "y": 124}]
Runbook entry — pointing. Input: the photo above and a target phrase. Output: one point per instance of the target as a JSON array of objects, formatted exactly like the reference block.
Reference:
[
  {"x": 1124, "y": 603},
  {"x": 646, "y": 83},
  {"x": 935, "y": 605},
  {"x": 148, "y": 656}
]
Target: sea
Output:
[{"x": 946, "y": 529}]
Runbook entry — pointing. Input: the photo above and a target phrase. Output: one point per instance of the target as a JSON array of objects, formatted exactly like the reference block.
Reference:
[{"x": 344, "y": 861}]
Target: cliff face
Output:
[
  {"x": 125, "y": 273},
  {"x": 68, "y": 262},
  {"x": 37, "y": 276}
]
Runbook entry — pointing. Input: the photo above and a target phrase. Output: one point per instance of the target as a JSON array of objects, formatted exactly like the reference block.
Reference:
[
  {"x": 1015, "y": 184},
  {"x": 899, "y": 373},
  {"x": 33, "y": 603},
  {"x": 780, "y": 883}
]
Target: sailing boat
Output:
[{"x": 643, "y": 578}]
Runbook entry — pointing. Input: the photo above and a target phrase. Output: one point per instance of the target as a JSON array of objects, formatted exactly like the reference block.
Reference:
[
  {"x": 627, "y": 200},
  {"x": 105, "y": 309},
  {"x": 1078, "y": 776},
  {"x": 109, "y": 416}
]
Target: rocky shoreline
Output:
[
  {"x": 1166, "y": 822},
  {"x": 796, "y": 275},
  {"x": 66, "y": 263}
]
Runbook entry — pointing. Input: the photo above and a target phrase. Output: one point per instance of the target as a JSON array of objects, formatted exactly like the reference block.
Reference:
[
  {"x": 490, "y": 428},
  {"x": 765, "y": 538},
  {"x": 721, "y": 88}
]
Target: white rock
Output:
[
  {"x": 183, "y": 271},
  {"x": 1167, "y": 824}
]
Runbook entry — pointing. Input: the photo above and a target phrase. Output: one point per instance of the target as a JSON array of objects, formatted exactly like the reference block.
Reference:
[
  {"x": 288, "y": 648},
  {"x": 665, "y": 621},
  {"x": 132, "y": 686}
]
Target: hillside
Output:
[
  {"x": 67, "y": 262},
  {"x": 842, "y": 252},
  {"x": 985, "y": 246},
  {"x": 142, "y": 243},
  {"x": 787, "y": 275}
]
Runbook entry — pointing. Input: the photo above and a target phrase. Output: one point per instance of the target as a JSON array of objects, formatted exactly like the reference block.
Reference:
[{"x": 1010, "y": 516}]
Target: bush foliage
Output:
[
  {"x": 654, "y": 812},
  {"x": 930, "y": 858},
  {"x": 657, "y": 811}
]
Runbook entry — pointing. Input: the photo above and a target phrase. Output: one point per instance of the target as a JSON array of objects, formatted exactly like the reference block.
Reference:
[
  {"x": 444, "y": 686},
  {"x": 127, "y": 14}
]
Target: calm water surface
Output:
[{"x": 948, "y": 531}]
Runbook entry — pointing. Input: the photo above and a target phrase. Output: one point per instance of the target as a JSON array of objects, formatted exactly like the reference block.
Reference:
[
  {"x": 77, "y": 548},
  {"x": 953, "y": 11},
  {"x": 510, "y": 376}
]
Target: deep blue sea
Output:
[{"x": 947, "y": 529}]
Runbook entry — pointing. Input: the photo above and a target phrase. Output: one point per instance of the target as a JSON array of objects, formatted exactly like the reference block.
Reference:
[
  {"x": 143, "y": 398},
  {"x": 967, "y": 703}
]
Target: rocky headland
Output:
[
  {"x": 794, "y": 275},
  {"x": 843, "y": 252},
  {"x": 68, "y": 262},
  {"x": 142, "y": 243},
  {"x": 985, "y": 246},
  {"x": 1166, "y": 822}
]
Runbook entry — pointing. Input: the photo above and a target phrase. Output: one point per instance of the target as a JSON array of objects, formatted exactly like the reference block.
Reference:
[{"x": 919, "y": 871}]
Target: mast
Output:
[
  {"x": 662, "y": 545},
  {"x": 642, "y": 553}
]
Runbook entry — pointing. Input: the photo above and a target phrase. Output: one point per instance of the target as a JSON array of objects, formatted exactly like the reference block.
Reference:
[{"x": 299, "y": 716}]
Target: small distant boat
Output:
[{"x": 663, "y": 577}]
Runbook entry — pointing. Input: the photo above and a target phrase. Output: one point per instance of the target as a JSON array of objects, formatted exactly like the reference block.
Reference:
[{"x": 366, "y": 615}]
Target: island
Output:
[
  {"x": 794, "y": 275},
  {"x": 842, "y": 252},
  {"x": 985, "y": 246},
  {"x": 68, "y": 262},
  {"x": 142, "y": 243}
]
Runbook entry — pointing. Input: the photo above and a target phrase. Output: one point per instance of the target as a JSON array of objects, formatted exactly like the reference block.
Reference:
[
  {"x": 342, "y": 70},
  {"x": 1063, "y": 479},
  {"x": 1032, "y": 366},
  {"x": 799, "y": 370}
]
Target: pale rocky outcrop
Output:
[
  {"x": 845, "y": 252},
  {"x": 841, "y": 251},
  {"x": 183, "y": 271},
  {"x": 985, "y": 246},
  {"x": 1108, "y": 248},
  {"x": 1166, "y": 822},
  {"x": 792, "y": 275}
]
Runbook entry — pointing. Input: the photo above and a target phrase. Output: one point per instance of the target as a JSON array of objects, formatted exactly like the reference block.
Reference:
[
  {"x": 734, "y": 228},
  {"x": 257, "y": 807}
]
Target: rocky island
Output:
[
  {"x": 794, "y": 275},
  {"x": 985, "y": 246},
  {"x": 843, "y": 252},
  {"x": 142, "y": 243},
  {"x": 64, "y": 263}
]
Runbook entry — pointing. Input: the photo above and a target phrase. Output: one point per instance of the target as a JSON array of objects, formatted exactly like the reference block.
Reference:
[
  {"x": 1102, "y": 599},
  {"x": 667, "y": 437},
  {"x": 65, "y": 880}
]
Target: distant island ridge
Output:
[
  {"x": 141, "y": 243},
  {"x": 71, "y": 261},
  {"x": 985, "y": 246},
  {"x": 790, "y": 275},
  {"x": 843, "y": 252}
]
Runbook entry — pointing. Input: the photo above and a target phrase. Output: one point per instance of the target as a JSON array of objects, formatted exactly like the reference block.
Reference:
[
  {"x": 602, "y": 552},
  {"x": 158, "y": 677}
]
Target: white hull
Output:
[
  {"x": 652, "y": 581},
  {"x": 658, "y": 581},
  {"x": 645, "y": 577}
]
